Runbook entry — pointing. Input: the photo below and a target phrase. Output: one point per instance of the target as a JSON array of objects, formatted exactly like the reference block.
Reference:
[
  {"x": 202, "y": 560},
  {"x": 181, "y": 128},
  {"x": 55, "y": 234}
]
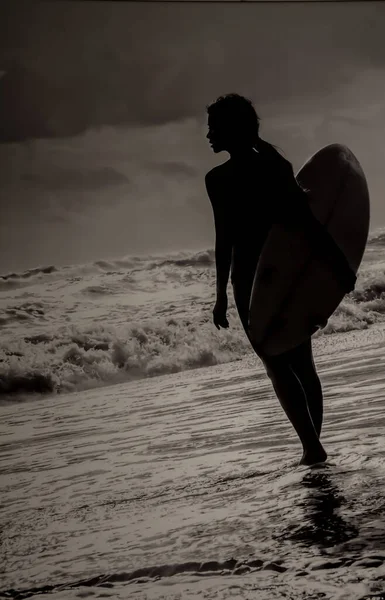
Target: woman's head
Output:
[{"x": 233, "y": 123}]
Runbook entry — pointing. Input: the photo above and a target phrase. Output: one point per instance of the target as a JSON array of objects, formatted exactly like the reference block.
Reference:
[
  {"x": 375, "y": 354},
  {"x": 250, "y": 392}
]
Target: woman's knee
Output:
[
  {"x": 275, "y": 367},
  {"x": 302, "y": 362}
]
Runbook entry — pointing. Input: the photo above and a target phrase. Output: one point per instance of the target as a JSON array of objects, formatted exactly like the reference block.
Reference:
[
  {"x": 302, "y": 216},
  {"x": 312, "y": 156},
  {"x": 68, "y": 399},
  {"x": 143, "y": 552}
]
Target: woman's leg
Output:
[
  {"x": 286, "y": 384},
  {"x": 292, "y": 397},
  {"x": 302, "y": 363}
]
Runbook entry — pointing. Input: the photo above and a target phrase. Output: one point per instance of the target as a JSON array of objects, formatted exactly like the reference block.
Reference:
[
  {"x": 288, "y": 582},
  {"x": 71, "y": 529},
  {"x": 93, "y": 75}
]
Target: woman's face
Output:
[
  {"x": 215, "y": 135},
  {"x": 223, "y": 134}
]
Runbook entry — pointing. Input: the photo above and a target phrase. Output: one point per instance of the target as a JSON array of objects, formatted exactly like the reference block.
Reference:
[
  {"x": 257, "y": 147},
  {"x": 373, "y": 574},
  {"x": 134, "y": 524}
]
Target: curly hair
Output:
[{"x": 237, "y": 111}]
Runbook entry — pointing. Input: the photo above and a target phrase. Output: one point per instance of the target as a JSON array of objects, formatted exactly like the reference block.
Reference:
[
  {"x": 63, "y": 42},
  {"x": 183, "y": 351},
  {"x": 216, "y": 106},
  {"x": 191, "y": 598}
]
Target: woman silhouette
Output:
[{"x": 253, "y": 189}]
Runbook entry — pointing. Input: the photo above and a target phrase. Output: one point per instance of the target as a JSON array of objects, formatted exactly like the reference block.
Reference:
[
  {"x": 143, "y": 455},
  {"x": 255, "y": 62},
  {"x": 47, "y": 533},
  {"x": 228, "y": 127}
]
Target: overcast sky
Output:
[{"x": 118, "y": 91}]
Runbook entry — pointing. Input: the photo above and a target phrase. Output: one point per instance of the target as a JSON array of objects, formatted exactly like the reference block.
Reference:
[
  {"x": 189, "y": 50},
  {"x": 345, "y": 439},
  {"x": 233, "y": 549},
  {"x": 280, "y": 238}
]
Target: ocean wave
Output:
[
  {"x": 167, "y": 333},
  {"x": 29, "y": 273},
  {"x": 205, "y": 258},
  {"x": 75, "y": 358},
  {"x": 201, "y": 258},
  {"x": 182, "y": 259},
  {"x": 26, "y": 311},
  {"x": 12, "y": 281},
  {"x": 377, "y": 237}
]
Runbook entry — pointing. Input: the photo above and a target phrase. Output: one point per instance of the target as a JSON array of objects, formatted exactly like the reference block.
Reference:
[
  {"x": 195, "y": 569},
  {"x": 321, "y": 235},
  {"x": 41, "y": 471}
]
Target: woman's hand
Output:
[{"x": 219, "y": 312}]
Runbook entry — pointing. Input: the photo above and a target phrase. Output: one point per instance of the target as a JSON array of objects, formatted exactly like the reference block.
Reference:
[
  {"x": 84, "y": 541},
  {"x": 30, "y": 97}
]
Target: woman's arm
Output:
[{"x": 223, "y": 241}]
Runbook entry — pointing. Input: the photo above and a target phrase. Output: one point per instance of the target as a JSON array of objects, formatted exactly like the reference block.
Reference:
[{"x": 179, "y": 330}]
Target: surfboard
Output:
[{"x": 295, "y": 290}]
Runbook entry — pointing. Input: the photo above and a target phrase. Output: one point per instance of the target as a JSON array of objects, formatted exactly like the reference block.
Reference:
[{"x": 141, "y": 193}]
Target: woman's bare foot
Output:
[{"x": 316, "y": 456}]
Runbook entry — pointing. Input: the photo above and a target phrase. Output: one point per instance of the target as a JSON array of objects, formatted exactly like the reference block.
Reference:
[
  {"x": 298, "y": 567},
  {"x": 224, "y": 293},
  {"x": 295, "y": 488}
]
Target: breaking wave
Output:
[
  {"x": 377, "y": 238},
  {"x": 75, "y": 358},
  {"x": 54, "y": 348}
]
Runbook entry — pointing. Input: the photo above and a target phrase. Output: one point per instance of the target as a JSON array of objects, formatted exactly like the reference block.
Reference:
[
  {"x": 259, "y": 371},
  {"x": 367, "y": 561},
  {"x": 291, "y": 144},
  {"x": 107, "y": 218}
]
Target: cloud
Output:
[
  {"x": 75, "y": 178},
  {"x": 73, "y": 66}
]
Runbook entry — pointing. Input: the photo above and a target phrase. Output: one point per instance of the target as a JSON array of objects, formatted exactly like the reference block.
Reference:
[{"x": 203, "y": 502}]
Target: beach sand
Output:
[{"x": 187, "y": 486}]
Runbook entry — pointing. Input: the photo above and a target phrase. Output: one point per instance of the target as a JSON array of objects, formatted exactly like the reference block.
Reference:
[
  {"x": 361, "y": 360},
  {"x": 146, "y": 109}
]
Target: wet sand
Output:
[{"x": 186, "y": 486}]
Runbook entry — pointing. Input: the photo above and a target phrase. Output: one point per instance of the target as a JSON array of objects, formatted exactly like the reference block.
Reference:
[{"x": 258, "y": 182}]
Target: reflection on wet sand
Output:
[{"x": 324, "y": 525}]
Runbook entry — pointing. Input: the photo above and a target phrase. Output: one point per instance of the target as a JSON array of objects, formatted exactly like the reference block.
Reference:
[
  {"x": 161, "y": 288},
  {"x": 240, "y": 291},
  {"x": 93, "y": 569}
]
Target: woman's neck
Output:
[{"x": 241, "y": 154}]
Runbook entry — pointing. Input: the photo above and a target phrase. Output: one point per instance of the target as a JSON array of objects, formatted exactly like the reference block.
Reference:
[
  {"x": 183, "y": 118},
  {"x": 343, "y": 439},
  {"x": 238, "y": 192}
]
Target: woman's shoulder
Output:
[
  {"x": 217, "y": 180},
  {"x": 217, "y": 172}
]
